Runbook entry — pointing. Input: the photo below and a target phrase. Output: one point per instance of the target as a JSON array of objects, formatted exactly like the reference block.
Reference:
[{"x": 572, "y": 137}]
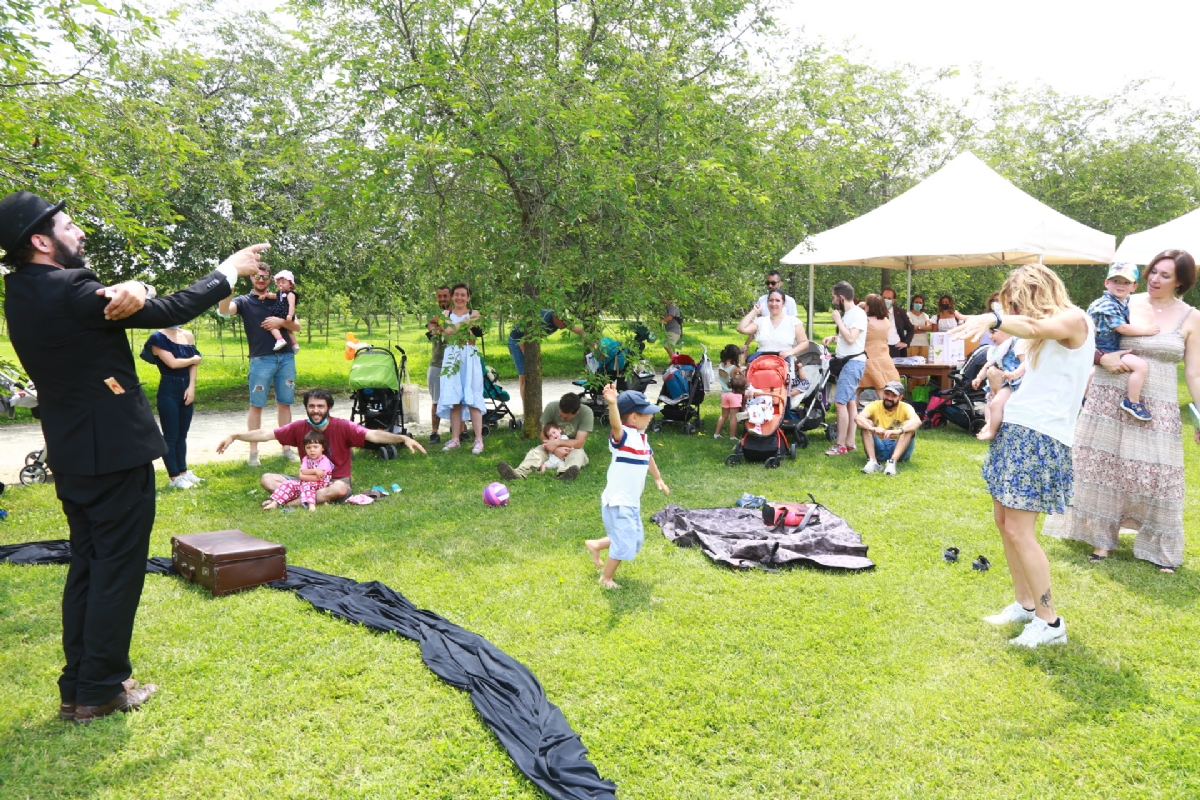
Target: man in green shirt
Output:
[{"x": 575, "y": 420}]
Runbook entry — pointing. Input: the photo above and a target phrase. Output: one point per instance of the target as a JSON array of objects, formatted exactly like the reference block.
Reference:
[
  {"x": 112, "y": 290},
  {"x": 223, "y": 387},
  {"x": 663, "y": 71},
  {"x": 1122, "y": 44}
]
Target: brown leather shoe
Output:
[
  {"x": 124, "y": 702},
  {"x": 66, "y": 711},
  {"x": 569, "y": 474}
]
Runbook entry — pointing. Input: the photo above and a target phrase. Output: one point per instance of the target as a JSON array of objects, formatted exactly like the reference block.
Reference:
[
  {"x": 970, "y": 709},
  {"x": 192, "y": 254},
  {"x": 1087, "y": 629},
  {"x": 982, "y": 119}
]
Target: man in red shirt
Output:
[{"x": 341, "y": 434}]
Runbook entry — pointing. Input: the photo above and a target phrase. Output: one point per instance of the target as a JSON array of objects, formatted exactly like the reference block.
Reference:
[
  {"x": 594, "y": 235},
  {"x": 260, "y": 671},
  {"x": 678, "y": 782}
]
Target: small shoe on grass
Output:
[
  {"x": 1012, "y": 613},
  {"x": 435, "y": 438},
  {"x": 180, "y": 482},
  {"x": 289, "y": 454},
  {"x": 569, "y": 474},
  {"x": 889, "y": 468},
  {"x": 871, "y": 467},
  {"x": 252, "y": 460},
  {"x": 1039, "y": 632}
]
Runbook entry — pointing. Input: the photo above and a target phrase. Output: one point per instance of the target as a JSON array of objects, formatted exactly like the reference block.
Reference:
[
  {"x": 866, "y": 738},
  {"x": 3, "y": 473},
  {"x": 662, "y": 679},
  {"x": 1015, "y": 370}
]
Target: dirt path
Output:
[{"x": 209, "y": 427}]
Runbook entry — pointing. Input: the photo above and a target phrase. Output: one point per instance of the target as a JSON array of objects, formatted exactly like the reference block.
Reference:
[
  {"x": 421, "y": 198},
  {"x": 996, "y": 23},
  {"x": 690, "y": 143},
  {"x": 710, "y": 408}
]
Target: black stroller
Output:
[
  {"x": 17, "y": 391},
  {"x": 375, "y": 392},
  {"x": 611, "y": 363},
  {"x": 682, "y": 393},
  {"x": 961, "y": 403},
  {"x": 808, "y": 402}
]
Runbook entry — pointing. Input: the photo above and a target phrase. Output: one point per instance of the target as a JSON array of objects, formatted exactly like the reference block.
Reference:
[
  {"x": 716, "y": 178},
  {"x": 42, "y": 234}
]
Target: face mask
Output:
[
  {"x": 319, "y": 426},
  {"x": 944, "y": 306},
  {"x": 918, "y": 306},
  {"x": 887, "y": 302},
  {"x": 175, "y": 327}
]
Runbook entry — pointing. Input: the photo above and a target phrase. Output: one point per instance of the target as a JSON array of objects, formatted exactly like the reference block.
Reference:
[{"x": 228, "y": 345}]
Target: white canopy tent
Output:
[
  {"x": 1180, "y": 234},
  {"x": 963, "y": 215}
]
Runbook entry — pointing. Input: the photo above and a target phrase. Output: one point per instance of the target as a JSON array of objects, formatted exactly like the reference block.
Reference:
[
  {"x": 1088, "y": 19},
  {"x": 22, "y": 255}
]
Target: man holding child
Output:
[{"x": 575, "y": 421}]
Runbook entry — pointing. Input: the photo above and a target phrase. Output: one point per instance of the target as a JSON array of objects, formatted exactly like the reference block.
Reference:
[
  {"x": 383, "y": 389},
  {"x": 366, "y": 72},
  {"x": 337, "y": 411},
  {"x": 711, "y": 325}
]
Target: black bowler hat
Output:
[{"x": 20, "y": 213}]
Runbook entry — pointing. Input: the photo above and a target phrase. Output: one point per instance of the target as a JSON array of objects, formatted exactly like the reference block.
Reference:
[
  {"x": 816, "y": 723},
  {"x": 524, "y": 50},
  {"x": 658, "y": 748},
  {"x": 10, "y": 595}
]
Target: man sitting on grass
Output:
[
  {"x": 888, "y": 426},
  {"x": 576, "y": 421},
  {"x": 341, "y": 435}
]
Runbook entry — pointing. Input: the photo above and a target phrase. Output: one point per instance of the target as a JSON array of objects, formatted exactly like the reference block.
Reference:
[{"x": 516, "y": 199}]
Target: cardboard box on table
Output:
[{"x": 944, "y": 351}]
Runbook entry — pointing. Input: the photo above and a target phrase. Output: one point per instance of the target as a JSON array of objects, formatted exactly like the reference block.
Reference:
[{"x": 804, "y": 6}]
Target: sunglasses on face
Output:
[{"x": 772, "y": 283}]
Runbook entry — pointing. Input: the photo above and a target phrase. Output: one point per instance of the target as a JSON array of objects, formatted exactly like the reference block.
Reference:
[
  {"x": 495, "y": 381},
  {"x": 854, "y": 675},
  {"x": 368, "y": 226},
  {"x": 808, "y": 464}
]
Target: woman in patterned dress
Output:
[
  {"x": 1129, "y": 472},
  {"x": 1028, "y": 468}
]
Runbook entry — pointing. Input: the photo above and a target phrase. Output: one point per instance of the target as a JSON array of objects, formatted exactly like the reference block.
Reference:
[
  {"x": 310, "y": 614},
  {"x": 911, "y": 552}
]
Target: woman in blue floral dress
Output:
[{"x": 1028, "y": 469}]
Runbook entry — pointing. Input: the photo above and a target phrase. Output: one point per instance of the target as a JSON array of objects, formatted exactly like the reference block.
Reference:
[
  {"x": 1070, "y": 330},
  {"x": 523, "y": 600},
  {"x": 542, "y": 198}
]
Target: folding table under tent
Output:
[
  {"x": 1182, "y": 233},
  {"x": 963, "y": 215}
]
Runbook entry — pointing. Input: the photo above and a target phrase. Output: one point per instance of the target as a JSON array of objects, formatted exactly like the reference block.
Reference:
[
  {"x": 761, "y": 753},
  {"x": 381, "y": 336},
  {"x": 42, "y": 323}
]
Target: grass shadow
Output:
[
  {"x": 1096, "y": 691},
  {"x": 1140, "y": 577},
  {"x": 634, "y": 597}
]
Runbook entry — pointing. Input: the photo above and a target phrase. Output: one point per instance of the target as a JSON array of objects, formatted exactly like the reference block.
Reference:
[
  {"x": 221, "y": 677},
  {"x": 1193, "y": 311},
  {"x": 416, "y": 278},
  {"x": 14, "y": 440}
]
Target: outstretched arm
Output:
[
  {"x": 260, "y": 435},
  {"x": 383, "y": 437}
]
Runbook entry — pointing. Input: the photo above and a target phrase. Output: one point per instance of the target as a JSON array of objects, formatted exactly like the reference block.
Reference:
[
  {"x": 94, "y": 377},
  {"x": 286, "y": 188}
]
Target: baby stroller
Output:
[
  {"x": 808, "y": 402},
  {"x": 495, "y": 399},
  {"x": 961, "y": 403},
  {"x": 17, "y": 391},
  {"x": 375, "y": 392},
  {"x": 682, "y": 393},
  {"x": 767, "y": 399},
  {"x": 610, "y": 364}
]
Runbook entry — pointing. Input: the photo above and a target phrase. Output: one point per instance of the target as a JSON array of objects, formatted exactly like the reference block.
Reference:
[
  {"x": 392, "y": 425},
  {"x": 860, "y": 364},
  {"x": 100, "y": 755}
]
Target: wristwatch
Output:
[
  {"x": 151, "y": 292},
  {"x": 995, "y": 314}
]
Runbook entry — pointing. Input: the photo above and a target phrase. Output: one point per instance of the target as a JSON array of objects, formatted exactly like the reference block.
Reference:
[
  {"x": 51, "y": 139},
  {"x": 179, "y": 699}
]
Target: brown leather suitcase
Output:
[{"x": 228, "y": 561}]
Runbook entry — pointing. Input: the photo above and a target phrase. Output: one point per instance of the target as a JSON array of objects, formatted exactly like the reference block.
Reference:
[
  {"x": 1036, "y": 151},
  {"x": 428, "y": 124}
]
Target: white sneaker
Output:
[
  {"x": 252, "y": 460},
  {"x": 716, "y": 436},
  {"x": 193, "y": 477},
  {"x": 280, "y": 344},
  {"x": 180, "y": 482},
  {"x": 1012, "y": 613},
  {"x": 889, "y": 468},
  {"x": 290, "y": 455},
  {"x": 1039, "y": 632},
  {"x": 871, "y": 467}
]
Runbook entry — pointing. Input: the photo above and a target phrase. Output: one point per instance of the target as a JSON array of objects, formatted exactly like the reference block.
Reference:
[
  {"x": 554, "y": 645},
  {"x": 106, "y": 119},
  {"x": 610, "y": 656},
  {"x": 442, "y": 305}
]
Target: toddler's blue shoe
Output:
[
  {"x": 379, "y": 489},
  {"x": 396, "y": 488},
  {"x": 1136, "y": 410}
]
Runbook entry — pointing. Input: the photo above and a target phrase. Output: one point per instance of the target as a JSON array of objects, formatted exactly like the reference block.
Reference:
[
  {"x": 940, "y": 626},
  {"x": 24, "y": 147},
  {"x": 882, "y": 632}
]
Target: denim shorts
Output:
[
  {"x": 847, "y": 382},
  {"x": 518, "y": 357},
  {"x": 623, "y": 525},
  {"x": 886, "y": 448},
  {"x": 278, "y": 369}
]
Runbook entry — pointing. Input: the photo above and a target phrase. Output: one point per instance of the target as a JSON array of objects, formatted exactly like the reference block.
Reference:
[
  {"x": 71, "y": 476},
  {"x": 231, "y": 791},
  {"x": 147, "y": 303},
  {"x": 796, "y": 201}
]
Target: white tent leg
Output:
[
  {"x": 811, "y": 276},
  {"x": 908, "y": 294}
]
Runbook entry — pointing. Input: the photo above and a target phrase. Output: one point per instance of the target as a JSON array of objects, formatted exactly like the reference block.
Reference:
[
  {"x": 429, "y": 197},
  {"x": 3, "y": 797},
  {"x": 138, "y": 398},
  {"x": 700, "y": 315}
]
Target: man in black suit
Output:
[
  {"x": 101, "y": 438},
  {"x": 900, "y": 323}
]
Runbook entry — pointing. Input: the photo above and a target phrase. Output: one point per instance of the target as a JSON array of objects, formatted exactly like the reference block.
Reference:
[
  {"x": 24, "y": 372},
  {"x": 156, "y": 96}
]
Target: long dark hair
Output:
[{"x": 731, "y": 353}]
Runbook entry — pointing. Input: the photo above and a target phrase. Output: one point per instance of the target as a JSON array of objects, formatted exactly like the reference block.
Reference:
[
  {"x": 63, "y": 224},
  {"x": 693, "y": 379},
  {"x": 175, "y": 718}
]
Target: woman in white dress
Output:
[{"x": 462, "y": 371}]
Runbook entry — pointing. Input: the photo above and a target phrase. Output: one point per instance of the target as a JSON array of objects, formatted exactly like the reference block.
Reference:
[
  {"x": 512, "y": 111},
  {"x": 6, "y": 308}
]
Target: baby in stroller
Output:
[{"x": 766, "y": 400}]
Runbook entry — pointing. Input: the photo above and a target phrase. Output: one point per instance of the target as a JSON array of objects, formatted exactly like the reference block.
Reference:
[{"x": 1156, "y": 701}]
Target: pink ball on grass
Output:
[{"x": 495, "y": 494}]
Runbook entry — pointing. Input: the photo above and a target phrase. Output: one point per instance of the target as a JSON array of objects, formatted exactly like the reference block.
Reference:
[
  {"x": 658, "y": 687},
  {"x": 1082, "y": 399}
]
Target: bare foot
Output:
[
  {"x": 594, "y": 548},
  {"x": 986, "y": 435},
  {"x": 609, "y": 584},
  {"x": 1167, "y": 570},
  {"x": 311, "y": 506},
  {"x": 270, "y": 505}
]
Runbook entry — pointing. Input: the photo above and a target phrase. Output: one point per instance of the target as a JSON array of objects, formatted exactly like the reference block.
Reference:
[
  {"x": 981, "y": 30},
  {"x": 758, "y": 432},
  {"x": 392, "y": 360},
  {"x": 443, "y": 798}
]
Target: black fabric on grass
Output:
[
  {"x": 737, "y": 537},
  {"x": 506, "y": 694}
]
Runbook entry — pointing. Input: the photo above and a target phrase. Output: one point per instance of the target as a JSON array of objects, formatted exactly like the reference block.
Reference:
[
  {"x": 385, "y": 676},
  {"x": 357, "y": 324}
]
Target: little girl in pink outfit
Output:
[{"x": 315, "y": 470}]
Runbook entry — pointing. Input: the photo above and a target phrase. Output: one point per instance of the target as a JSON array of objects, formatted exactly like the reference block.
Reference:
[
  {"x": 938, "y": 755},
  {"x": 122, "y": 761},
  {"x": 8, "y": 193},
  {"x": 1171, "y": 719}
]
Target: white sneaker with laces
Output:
[
  {"x": 193, "y": 477},
  {"x": 889, "y": 468},
  {"x": 871, "y": 467},
  {"x": 1013, "y": 613},
  {"x": 180, "y": 482},
  {"x": 280, "y": 344},
  {"x": 252, "y": 460},
  {"x": 290, "y": 455},
  {"x": 1039, "y": 632}
]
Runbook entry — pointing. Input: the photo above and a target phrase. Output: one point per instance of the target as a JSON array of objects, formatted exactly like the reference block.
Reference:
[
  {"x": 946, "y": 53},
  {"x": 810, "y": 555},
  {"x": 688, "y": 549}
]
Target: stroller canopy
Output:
[{"x": 374, "y": 369}]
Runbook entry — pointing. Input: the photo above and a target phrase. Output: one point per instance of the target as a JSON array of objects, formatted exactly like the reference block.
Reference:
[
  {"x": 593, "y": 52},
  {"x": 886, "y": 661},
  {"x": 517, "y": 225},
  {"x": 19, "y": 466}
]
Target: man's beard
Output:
[
  {"x": 65, "y": 258},
  {"x": 890, "y": 404}
]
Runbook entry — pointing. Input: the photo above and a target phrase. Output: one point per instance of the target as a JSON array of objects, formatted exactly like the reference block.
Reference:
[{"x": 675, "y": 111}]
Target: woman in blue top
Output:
[{"x": 178, "y": 357}]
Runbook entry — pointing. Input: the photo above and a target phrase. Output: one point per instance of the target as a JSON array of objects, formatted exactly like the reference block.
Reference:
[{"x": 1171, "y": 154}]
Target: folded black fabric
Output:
[
  {"x": 510, "y": 699},
  {"x": 738, "y": 537}
]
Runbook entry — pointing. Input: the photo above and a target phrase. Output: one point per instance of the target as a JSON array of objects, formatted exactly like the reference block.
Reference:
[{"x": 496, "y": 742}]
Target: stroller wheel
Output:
[
  {"x": 514, "y": 424},
  {"x": 771, "y": 463},
  {"x": 34, "y": 473},
  {"x": 734, "y": 459},
  {"x": 33, "y": 458},
  {"x": 387, "y": 452},
  {"x": 977, "y": 425},
  {"x": 792, "y": 451},
  {"x": 687, "y": 429},
  {"x": 831, "y": 431},
  {"x": 604, "y": 419},
  {"x": 656, "y": 427},
  {"x": 485, "y": 430},
  {"x": 802, "y": 440}
]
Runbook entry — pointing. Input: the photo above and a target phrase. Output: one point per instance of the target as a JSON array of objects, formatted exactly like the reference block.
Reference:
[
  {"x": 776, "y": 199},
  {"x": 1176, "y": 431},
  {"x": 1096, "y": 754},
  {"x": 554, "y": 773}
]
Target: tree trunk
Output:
[
  {"x": 885, "y": 280},
  {"x": 532, "y": 399},
  {"x": 326, "y": 325}
]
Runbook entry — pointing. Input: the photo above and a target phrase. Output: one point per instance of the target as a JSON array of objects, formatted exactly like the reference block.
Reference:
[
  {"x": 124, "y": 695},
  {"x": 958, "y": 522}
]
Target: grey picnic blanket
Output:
[{"x": 739, "y": 538}]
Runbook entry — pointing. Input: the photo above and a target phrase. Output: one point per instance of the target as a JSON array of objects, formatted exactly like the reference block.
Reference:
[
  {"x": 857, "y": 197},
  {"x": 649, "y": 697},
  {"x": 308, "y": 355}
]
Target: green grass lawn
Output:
[{"x": 693, "y": 681}]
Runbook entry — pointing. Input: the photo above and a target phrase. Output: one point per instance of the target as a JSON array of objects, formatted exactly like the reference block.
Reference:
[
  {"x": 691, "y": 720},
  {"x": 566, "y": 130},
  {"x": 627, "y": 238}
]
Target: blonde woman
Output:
[{"x": 1028, "y": 469}]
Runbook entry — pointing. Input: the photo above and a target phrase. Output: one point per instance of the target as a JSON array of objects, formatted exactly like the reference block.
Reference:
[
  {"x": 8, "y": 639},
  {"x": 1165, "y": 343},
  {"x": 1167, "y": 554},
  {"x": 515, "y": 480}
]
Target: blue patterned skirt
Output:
[{"x": 1029, "y": 471}]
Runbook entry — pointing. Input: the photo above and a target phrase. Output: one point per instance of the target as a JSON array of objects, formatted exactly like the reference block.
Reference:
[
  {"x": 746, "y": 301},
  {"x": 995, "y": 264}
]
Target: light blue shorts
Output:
[
  {"x": 886, "y": 448},
  {"x": 847, "y": 382},
  {"x": 278, "y": 369},
  {"x": 518, "y": 357},
  {"x": 623, "y": 524}
]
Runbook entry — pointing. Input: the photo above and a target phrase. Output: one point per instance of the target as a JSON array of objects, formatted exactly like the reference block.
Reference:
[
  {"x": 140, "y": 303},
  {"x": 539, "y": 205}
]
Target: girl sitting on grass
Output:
[{"x": 315, "y": 469}]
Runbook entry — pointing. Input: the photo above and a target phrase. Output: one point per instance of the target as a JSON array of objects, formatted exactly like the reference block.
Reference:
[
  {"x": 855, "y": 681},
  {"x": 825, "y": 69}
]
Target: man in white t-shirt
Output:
[
  {"x": 851, "y": 338},
  {"x": 774, "y": 281}
]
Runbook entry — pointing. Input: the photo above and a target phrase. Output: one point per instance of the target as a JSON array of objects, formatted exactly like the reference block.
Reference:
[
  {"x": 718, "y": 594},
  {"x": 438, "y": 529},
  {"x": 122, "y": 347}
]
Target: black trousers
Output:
[{"x": 110, "y": 517}]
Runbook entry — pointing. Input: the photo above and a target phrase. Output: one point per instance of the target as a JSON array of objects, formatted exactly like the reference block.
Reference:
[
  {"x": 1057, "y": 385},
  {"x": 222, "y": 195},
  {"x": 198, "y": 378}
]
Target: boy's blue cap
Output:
[
  {"x": 1124, "y": 269},
  {"x": 631, "y": 402}
]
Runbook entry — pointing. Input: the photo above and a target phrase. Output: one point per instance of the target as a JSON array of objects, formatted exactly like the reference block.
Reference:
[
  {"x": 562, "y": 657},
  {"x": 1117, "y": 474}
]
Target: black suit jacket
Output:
[
  {"x": 904, "y": 327},
  {"x": 57, "y": 326}
]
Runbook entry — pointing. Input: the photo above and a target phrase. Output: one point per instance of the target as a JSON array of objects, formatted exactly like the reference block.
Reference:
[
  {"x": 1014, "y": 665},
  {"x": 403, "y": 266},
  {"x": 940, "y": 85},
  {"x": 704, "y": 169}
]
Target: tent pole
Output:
[
  {"x": 908, "y": 295},
  {"x": 811, "y": 277}
]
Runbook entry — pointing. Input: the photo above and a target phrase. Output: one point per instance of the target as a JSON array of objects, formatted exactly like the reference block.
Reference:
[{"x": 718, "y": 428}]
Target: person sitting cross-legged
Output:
[
  {"x": 575, "y": 421},
  {"x": 888, "y": 426}
]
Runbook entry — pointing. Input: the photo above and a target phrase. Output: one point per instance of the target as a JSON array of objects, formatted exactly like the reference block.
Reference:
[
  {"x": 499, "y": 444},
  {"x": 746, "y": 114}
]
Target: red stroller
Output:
[{"x": 764, "y": 439}]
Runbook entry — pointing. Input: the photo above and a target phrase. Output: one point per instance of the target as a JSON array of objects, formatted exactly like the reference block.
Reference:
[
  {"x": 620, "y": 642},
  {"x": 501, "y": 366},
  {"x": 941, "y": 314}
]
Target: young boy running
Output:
[{"x": 621, "y": 503}]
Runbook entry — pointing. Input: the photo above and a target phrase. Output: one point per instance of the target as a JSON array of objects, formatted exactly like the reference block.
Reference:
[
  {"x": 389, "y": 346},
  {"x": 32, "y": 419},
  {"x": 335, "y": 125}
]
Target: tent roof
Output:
[
  {"x": 1182, "y": 233},
  {"x": 963, "y": 215}
]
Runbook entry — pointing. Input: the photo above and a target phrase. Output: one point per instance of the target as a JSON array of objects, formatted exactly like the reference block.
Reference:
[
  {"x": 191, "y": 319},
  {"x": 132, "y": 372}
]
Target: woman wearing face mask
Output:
[
  {"x": 948, "y": 317},
  {"x": 920, "y": 323}
]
